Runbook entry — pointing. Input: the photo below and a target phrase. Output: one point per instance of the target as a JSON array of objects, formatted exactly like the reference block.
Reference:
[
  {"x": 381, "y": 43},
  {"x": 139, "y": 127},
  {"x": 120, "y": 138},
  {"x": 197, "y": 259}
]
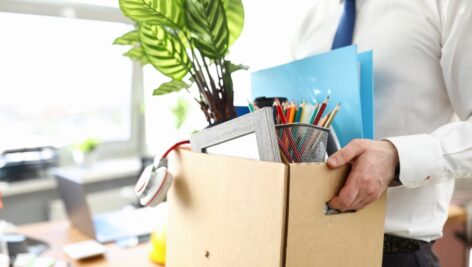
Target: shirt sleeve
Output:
[{"x": 446, "y": 153}]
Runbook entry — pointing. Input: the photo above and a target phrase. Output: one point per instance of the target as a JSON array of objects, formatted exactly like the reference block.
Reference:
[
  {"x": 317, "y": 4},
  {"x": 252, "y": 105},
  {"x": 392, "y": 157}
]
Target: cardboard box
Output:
[{"x": 228, "y": 212}]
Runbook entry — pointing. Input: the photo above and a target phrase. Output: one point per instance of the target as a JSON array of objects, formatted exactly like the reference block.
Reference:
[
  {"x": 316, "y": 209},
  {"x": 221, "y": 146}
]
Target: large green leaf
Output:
[
  {"x": 206, "y": 19},
  {"x": 128, "y": 38},
  {"x": 170, "y": 87},
  {"x": 164, "y": 51},
  {"x": 137, "y": 54},
  {"x": 156, "y": 12},
  {"x": 235, "y": 16}
]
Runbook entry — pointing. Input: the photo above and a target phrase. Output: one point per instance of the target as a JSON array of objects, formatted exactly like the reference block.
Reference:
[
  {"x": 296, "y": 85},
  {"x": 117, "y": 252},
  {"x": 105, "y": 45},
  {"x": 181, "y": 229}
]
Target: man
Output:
[{"x": 423, "y": 75}]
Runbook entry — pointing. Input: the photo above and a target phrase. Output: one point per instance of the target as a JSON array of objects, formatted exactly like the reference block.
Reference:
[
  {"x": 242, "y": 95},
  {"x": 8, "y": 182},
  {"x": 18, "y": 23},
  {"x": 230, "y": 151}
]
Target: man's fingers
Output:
[
  {"x": 345, "y": 199},
  {"x": 346, "y": 154},
  {"x": 366, "y": 193},
  {"x": 361, "y": 201}
]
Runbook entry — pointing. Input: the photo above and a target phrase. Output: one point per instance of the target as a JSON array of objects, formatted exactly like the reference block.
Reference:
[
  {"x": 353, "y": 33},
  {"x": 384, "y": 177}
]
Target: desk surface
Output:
[
  {"x": 58, "y": 234},
  {"x": 61, "y": 233}
]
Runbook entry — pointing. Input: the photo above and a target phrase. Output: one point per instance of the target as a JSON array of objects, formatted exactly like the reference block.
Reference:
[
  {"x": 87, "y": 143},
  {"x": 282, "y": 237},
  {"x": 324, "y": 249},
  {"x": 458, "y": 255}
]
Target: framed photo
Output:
[{"x": 250, "y": 136}]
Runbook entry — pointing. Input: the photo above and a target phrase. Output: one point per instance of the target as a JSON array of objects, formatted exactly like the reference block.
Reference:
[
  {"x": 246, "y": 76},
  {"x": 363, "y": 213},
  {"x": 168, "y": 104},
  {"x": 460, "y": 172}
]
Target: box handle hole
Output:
[{"x": 330, "y": 211}]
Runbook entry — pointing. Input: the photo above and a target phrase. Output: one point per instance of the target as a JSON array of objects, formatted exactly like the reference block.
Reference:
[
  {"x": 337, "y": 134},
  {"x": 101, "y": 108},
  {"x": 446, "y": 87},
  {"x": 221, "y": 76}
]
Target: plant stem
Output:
[
  {"x": 219, "y": 71},
  {"x": 215, "y": 89},
  {"x": 218, "y": 75},
  {"x": 195, "y": 73}
]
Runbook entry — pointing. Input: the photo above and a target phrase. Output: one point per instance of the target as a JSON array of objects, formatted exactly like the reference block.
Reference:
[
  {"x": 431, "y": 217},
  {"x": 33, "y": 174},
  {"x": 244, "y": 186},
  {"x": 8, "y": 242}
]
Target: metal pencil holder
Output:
[{"x": 301, "y": 142}]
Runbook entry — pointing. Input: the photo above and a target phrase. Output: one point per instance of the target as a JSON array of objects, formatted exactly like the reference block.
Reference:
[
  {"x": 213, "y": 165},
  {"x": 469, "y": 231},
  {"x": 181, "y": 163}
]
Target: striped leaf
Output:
[
  {"x": 128, "y": 38},
  {"x": 164, "y": 51},
  {"x": 206, "y": 19},
  {"x": 235, "y": 16},
  {"x": 155, "y": 12},
  {"x": 137, "y": 54},
  {"x": 170, "y": 87}
]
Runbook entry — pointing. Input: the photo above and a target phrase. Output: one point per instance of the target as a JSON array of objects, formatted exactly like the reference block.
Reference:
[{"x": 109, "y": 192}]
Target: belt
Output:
[{"x": 395, "y": 244}]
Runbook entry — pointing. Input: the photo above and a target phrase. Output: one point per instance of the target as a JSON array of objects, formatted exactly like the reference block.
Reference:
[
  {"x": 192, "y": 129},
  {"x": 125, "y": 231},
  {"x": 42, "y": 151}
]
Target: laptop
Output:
[{"x": 108, "y": 227}]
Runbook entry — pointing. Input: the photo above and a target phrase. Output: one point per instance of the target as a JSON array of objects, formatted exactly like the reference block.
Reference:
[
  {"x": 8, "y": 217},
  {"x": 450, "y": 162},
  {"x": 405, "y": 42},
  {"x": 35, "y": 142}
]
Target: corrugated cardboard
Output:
[
  {"x": 316, "y": 239},
  {"x": 228, "y": 212}
]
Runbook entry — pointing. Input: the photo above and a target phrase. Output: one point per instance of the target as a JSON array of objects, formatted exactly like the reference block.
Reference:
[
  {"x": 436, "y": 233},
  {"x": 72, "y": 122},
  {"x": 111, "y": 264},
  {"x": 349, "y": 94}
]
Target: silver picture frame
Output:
[{"x": 259, "y": 122}]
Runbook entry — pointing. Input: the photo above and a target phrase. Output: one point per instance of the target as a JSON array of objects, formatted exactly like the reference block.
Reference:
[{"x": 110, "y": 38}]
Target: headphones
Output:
[{"x": 155, "y": 180}]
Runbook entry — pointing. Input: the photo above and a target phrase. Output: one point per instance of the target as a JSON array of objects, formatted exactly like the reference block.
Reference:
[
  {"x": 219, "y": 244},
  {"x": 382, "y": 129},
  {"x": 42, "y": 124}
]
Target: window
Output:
[{"x": 62, "y": 80}]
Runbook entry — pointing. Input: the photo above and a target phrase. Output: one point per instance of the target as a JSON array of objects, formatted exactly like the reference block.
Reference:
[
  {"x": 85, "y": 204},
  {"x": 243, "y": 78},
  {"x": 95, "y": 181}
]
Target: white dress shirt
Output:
[{"x": 423, "y": 76}]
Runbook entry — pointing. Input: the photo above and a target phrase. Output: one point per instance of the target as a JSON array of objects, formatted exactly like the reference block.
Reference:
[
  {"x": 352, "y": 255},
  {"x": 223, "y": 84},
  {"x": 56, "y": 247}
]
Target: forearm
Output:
[{"x": 443, "y": 154}]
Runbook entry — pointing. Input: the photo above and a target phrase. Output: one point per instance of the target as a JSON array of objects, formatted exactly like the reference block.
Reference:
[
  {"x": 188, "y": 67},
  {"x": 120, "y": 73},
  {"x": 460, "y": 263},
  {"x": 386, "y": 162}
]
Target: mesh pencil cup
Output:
[{"x": 301, "y": 142}]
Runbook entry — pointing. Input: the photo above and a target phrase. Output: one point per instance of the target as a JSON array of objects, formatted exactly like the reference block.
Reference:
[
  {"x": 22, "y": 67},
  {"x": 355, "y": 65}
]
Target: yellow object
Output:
[
  {"x": 158, "y": 244},
  {"x": 157, "y": 254}
]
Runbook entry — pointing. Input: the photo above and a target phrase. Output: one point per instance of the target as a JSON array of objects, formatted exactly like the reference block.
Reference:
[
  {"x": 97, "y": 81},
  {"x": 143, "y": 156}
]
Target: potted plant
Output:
[
  {"x": 83, "y": 152},
  {"x": 188, "y": 41}
]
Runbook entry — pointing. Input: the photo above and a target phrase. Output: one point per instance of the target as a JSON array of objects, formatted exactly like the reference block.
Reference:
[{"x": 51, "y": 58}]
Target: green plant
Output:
[
  {"x": 180, "y": 111},
  {"x": 88, "y": 145},
  {"x": 188, "y": 40}
]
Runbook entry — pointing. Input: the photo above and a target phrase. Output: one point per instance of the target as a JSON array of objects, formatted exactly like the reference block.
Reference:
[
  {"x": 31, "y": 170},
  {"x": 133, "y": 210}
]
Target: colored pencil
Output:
[
  {"x": 303, "y": 113},
  {"x": 331, "y": 117},
  {"x": 324, "y": 120},
  {"x": 313, "y": 113},
  {"x": 287, "y": 113},
  {"x": 293, "y": 110},
  {"x": 299, "y": 113},
  {"x": 281, "y": 114},
  {"x": 250, "y": 106},
  {"x": 320, "y": 111}
]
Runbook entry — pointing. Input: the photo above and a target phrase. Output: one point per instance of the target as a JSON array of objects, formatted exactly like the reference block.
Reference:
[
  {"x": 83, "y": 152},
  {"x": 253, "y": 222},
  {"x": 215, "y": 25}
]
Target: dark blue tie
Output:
[{"x": 345, "y": 29}]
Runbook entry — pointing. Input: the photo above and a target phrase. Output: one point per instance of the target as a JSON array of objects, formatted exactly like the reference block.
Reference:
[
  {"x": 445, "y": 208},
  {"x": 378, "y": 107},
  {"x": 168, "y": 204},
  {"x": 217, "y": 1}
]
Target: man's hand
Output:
[{"x": 373, "y": 169}]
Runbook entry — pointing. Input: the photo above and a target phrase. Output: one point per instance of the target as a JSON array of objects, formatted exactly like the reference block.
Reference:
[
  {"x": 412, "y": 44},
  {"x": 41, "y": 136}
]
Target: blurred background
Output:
[{"x": 70, "y": 101}]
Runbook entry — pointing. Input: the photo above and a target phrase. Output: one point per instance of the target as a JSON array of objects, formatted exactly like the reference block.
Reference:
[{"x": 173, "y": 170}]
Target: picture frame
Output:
[{"x": 237, "y": 137}]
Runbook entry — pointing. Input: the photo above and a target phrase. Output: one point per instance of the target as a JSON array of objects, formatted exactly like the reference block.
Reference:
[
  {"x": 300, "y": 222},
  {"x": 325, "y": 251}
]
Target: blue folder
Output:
[{"x": 343, "y": 74}]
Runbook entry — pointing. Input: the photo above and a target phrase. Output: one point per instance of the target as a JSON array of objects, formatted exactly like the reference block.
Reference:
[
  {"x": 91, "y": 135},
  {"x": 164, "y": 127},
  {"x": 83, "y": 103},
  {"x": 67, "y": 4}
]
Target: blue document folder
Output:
[
  {"x": 367, "y": 93},
  {"x": 343, "y": 74}
]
